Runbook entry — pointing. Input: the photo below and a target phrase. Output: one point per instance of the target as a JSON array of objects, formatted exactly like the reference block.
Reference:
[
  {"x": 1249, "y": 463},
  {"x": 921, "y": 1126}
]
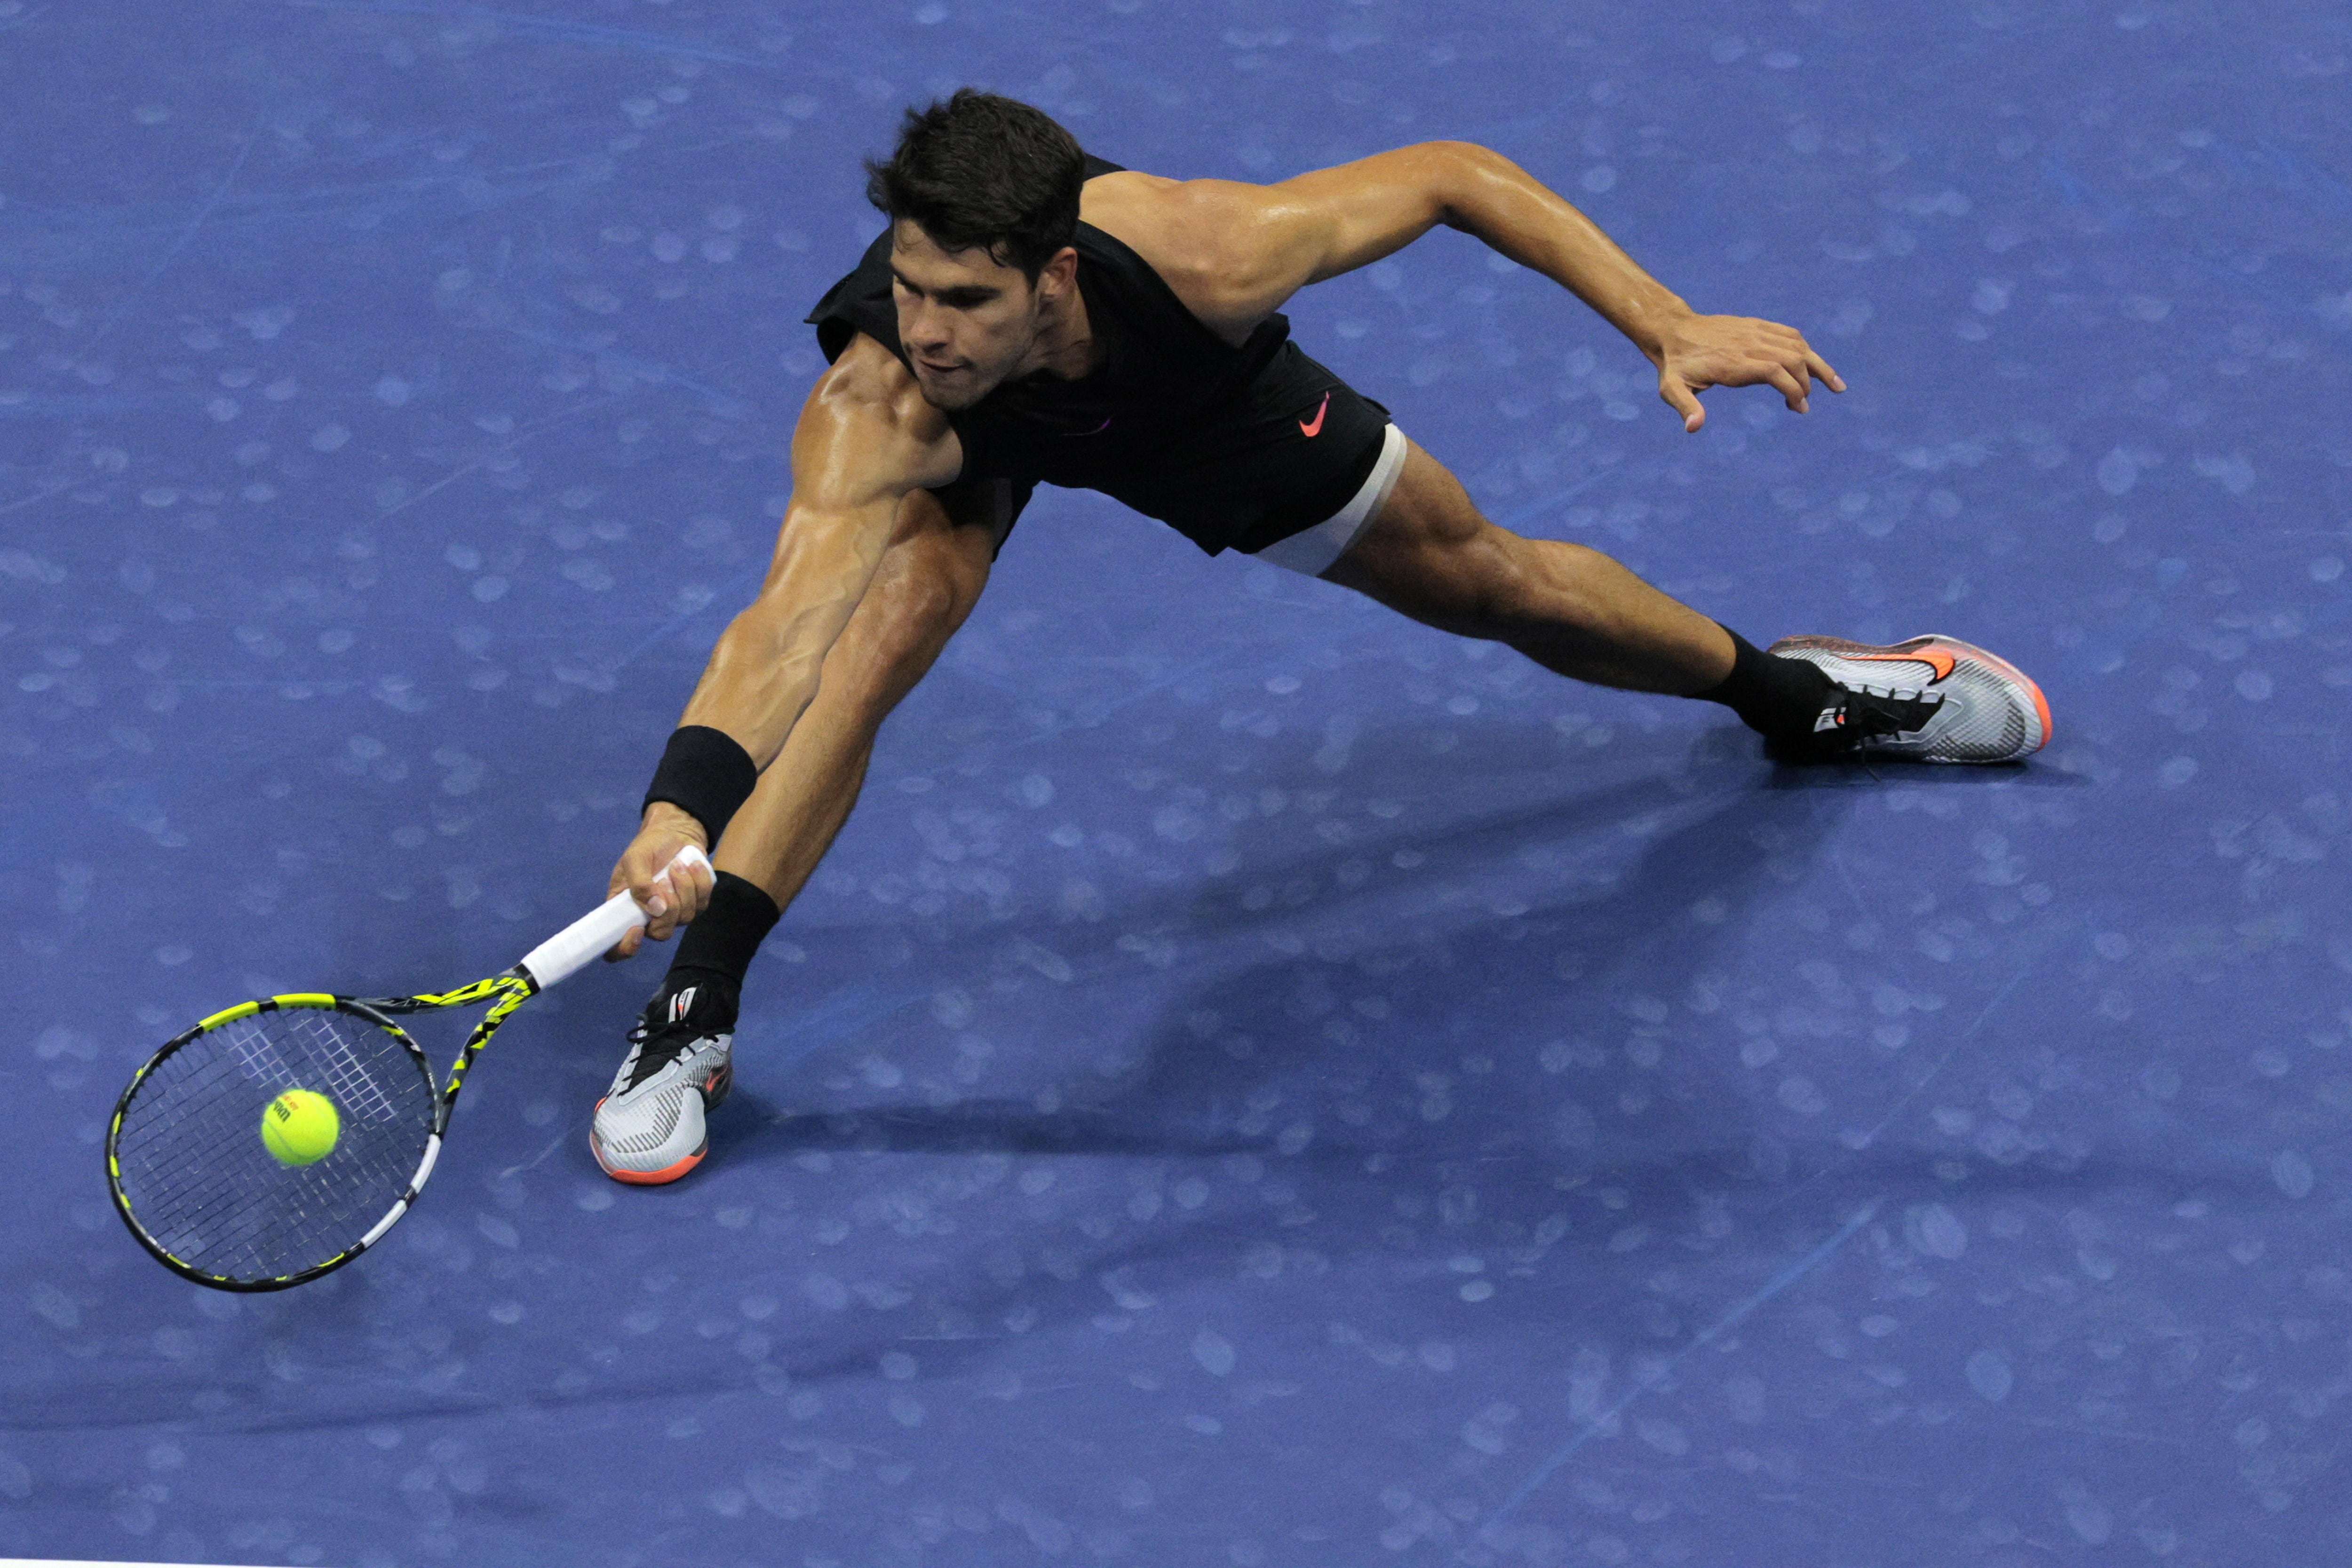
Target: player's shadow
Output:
[
  {"x": 1884, "y": 773},
  {"x": 1708, "y": 823},
  {"x": 1375, "y": 1044}
]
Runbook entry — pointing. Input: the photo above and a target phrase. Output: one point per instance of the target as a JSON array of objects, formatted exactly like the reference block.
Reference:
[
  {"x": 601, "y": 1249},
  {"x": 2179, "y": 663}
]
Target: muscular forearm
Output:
[
  {"x": 1486, "y": 194},
  {"x": 760, "y": 679},
  {"x": 763, "y": 673}
]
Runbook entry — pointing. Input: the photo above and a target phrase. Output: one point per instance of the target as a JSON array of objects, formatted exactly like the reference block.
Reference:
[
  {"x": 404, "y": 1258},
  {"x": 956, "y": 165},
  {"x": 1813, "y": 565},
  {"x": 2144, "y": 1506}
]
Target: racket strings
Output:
[
  {"x": 197, "y": 1177},
  {"x": 317, "y": 1041},
  {"x": 218, "y": 1200},
  {"x": 354, "y": 1089}
]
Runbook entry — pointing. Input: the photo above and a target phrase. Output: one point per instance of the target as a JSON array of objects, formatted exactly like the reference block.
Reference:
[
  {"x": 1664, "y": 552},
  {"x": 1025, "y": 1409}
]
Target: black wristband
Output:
[{"x": 705, "y": 774}]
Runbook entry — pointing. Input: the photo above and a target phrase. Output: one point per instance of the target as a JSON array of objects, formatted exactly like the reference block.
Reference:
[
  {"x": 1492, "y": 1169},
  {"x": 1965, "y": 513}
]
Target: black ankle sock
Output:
[
  {"x": 1779, "y": 697},
  {"x": 720, "y": 941}
]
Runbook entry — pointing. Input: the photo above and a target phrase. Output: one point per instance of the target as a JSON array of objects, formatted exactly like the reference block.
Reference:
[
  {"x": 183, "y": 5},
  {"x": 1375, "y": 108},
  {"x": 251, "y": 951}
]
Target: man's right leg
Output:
[
  {"x": 1430, "y": 553},
  {"x": 649, "y": 1128}
]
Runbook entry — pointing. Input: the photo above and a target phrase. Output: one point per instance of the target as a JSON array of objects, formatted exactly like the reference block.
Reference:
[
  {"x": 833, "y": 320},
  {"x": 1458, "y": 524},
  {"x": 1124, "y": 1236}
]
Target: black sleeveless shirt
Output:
[{"x": 1174, "y": 421}]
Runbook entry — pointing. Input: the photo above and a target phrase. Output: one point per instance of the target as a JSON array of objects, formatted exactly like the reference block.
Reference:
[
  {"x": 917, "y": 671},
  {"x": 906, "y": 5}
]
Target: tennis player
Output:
[{"x": 1035, "y": 315}]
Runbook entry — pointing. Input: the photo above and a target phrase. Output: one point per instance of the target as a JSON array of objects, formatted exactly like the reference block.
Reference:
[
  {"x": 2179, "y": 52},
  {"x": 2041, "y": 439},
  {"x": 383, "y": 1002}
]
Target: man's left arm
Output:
[{"x": 1275, "y": 239}]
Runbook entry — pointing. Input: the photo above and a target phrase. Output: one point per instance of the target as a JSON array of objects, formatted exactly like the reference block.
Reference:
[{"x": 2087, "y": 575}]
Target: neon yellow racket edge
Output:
[{"x": 216, "y": 1202}]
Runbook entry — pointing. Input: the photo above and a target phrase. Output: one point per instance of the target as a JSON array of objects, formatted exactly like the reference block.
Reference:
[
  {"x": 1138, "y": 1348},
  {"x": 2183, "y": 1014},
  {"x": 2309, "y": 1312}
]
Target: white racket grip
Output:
[{"x": 593, "y": 934}]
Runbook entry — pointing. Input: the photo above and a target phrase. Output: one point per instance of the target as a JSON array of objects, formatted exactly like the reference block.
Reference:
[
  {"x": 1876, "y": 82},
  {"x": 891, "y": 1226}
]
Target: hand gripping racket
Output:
[{"x": 218, "y": 1202}]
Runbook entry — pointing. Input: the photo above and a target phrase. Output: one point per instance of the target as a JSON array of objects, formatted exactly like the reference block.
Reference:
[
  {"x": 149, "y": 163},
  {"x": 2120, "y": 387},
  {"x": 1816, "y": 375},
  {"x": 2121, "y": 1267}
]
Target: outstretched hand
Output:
[{"x": 1696, "y": 353}]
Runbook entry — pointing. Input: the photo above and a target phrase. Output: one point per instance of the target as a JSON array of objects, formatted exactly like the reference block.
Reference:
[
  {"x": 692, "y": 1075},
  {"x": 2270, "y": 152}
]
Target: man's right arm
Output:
[{"x": 866, "y": 437}]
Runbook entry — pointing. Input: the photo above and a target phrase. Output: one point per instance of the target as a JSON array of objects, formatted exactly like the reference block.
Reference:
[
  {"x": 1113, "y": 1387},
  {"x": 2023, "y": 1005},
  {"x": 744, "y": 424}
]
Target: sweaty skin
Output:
[{"x": 873, "y": 431}]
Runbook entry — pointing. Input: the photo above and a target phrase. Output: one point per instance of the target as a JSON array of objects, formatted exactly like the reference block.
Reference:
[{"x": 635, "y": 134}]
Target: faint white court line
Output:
[{"x": 1606, "y": 1421}]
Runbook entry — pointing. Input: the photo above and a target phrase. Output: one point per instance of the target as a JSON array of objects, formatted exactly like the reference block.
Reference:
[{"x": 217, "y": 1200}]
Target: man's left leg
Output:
[{"x": 1430, "y": 553}]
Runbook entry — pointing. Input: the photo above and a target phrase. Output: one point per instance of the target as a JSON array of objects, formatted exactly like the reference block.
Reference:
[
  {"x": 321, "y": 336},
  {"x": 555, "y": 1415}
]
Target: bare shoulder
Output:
[
  {"x": 868, "y": 415},
  {"x": 869, "y": 382},
  {"x": 1206, "y": 237}
]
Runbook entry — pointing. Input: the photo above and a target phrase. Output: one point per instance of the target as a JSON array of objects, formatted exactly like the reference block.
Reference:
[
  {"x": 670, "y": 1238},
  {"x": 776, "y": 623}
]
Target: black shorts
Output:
[{"x": 1290, "y": 453}]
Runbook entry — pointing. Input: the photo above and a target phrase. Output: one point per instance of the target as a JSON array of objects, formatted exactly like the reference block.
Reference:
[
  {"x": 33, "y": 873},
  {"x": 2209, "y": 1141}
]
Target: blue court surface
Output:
[{"x": 1258, "y": 1082}]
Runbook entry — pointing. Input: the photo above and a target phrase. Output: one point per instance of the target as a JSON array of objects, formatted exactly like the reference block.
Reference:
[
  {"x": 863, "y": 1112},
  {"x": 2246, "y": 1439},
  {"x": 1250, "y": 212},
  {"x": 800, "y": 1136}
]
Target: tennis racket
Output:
[{"x": 220, "y": 1199}]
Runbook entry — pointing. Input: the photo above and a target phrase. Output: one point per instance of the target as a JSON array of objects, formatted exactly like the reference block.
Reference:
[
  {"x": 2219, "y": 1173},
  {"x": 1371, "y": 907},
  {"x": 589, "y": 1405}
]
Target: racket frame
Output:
[{"x": 511, "y": 989}]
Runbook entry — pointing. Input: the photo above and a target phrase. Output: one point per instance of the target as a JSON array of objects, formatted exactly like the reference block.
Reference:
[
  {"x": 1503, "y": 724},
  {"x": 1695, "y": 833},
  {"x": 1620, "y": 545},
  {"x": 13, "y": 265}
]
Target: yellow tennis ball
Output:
[{"x": 300, "y": 1128}]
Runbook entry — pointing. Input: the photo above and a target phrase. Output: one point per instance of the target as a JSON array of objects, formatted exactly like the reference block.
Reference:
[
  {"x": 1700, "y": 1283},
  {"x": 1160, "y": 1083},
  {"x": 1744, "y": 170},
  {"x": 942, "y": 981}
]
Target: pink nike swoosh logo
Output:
[
  {"x": 1311, "y": 430},
  {"x": 1935, "y": 658}
]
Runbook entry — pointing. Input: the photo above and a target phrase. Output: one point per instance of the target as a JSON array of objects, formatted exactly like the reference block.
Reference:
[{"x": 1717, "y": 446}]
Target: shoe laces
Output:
[
  {"x": 672, "y": 1022},
  {"x": 1863, "y": 712}
]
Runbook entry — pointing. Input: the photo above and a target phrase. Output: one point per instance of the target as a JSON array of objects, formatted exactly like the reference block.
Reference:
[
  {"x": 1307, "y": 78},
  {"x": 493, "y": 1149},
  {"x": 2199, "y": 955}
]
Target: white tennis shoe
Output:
[
  {"x": 1931, "y": 699},
  {"x": 649, "y": 1127}
]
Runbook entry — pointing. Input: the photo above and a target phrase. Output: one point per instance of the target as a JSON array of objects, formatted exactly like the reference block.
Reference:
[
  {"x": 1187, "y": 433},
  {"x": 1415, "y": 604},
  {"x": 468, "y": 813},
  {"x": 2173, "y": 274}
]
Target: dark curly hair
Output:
[{"x": 980, "y": 171}]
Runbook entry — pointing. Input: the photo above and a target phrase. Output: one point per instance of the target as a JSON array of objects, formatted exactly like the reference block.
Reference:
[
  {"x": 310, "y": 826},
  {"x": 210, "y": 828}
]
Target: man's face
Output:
[{"x": 966, "y": 321}]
